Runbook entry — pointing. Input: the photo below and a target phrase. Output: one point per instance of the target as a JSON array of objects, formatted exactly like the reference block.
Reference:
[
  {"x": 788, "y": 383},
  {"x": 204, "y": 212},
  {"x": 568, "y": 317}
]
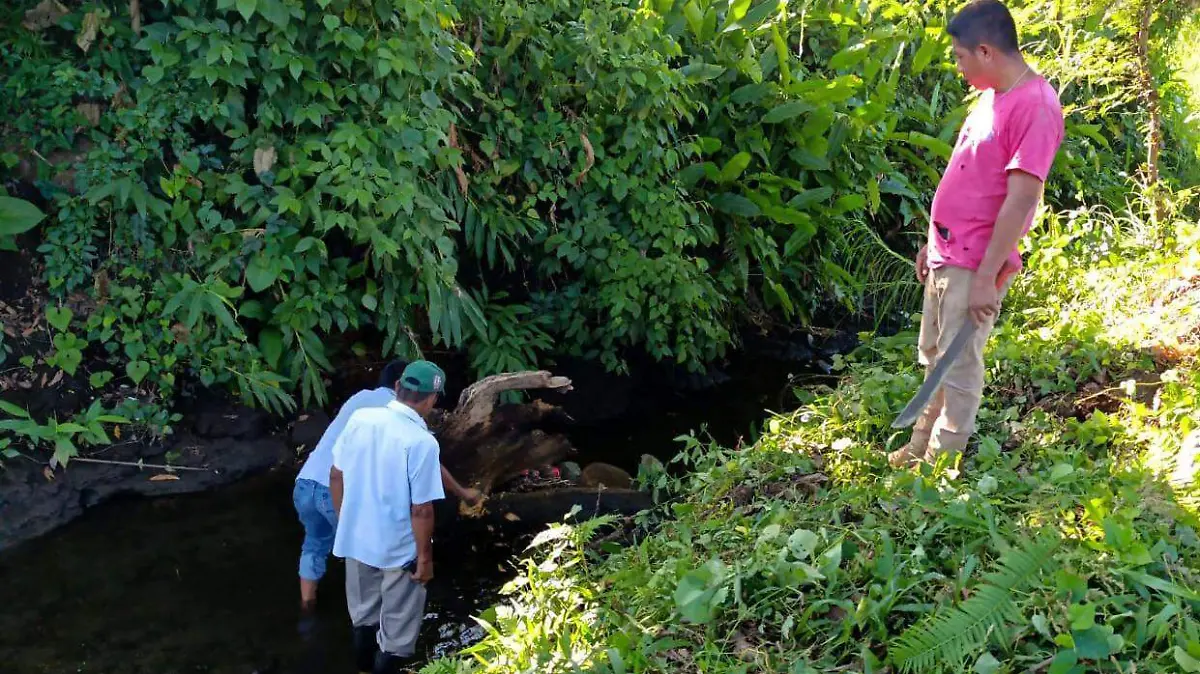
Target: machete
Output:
[{"x": 918, "y": 403}]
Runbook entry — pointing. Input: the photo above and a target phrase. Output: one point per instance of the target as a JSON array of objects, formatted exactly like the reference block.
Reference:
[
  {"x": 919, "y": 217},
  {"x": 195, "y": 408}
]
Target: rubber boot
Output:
[
  {"x": 386, "y": 663},
  {"x": 365, "y": 647}
]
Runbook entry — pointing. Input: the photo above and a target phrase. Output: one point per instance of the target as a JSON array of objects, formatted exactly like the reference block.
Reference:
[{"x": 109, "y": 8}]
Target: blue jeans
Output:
[{"x": 314, "y": 505}]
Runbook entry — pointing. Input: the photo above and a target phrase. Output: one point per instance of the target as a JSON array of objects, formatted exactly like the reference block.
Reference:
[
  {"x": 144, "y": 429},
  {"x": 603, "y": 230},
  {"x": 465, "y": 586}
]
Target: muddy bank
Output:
[{"x": 218, "y": 449}]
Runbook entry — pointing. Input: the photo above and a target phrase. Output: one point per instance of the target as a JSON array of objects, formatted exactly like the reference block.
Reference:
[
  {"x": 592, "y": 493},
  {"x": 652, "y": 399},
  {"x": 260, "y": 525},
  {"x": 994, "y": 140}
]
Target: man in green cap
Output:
[{"x": 385, "y": 476}]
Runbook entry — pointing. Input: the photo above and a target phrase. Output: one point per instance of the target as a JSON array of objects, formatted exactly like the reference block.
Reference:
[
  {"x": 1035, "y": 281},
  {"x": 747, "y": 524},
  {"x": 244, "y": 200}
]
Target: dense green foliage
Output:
[
  {"x": 1066, "y": 541},
  {"x": 260, "y": 186}
]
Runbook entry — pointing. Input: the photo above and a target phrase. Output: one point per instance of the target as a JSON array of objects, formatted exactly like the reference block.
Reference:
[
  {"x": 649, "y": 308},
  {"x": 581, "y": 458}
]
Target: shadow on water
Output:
[{"x": 207, "y": 583}]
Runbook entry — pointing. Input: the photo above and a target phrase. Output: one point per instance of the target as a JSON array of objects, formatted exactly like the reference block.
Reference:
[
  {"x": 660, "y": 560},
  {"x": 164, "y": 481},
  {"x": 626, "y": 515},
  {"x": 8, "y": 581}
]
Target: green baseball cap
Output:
[{"x": 422, "y": 376}]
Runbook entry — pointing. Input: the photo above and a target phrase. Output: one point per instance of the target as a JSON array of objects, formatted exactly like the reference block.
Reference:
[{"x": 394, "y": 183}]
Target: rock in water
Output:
[{"x": 605, "y": 475}]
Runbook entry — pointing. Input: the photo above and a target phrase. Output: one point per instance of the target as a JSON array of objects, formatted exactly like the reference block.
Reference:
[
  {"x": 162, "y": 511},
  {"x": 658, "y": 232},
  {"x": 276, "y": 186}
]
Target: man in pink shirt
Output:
[{"x": 984, "y": 204}]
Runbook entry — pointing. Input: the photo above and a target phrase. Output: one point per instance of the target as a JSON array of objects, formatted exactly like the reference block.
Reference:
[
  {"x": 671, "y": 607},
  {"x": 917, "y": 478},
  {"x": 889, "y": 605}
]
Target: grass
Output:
[{"x": 1065, "y": 542}]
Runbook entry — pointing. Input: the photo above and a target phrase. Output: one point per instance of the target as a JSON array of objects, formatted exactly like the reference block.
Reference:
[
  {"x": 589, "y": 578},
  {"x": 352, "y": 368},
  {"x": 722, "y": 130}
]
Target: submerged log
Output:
[{"x": 485, "y": 443}]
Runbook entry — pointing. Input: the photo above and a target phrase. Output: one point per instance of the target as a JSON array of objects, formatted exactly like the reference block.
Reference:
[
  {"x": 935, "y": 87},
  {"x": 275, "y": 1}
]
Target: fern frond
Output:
[
  {"x": 951, "y": 636},
  {"x": 884, "y": 279}
]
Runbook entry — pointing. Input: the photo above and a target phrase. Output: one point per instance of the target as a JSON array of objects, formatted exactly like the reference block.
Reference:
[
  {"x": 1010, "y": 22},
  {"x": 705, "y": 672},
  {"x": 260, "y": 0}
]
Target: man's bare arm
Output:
[
  {"x": 422, "y": 525},
  {"x": 452, "y": 486},
  {"x": 336, "y": 489},
  {"x": 1024, "y": 192}
]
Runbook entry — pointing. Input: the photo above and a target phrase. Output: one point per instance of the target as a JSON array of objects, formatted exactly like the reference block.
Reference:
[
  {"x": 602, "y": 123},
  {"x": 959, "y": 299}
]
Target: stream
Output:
[{"x": 207, "y": 582}]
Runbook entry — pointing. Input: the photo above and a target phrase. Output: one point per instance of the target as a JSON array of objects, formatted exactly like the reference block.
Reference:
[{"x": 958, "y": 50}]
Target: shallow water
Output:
[{"x": 207, "y": 583}]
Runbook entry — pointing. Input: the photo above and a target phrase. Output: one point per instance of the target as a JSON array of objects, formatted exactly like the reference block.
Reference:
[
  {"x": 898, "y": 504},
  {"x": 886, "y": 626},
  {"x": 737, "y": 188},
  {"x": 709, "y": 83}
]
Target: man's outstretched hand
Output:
[{"x": 472, "y": 496}]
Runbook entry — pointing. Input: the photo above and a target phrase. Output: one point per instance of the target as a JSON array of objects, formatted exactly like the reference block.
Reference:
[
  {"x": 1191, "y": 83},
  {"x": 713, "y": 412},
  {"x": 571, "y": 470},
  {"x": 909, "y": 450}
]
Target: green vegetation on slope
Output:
[
  {"x": 1066, "y": 541},
  {"x": 260, "y": 188}
]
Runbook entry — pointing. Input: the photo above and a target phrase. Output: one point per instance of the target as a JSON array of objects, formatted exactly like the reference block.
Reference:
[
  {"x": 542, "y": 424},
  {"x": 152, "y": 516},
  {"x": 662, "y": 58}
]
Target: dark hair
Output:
[
  {"x": 391, "y": 373},
  {"x": 414, "y": 397},
  {"x": 985, "y": 22}
]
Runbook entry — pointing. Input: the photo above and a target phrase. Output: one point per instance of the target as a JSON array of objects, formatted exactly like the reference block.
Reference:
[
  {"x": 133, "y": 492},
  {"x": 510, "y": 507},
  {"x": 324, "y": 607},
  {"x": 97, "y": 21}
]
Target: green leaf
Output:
[
  {"x": 369, "y": 302},
  {"x": 13, "y": 410},
  {"x": 849, "y": 202},
  {"x": 803, "y": 543},
  {"x": 986, "y": 664},
  {"x": 812, "y": 196},
  {"x": 100, "y": 378},
  {"x": 939, "y": 147},
  {"x": 59, "y": 318},
  {"x": 270, "y": 343},
  {"x": 1065, "y": 662},
  {"x": 137, "y": 370},
  {"x": 734, "y": 204},
  {"x": 759, "y": 13},
  {"x": 18, "y": 216},
  {"x": 701, "y": 72},
  {"x": 1092, "y": 644},
  {"x": 261, "y": 273},
  {"x": 246, "y": 8},
  {"x": 1186, "y": 661},
  {"x": 153, "y": 74},
  {"x": 734, "y": 167},
  {"x": 1083, "y": 616},
  {"x": 786, "y": 111},
  {"x": 849, "y": 57},
  {"x": 921, "y": 60}
]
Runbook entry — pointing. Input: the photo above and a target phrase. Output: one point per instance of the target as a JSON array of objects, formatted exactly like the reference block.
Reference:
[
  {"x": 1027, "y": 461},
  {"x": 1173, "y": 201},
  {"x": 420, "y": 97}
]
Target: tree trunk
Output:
[
  {"x": 1149, "y": 94},
  {"x": 485, "y": 444}
]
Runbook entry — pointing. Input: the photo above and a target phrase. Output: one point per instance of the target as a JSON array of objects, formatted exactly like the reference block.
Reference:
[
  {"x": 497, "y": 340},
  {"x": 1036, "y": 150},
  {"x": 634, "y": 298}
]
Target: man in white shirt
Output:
[
  {"x": 385, "y": 476},
  {"x": 314, "y": 503}
]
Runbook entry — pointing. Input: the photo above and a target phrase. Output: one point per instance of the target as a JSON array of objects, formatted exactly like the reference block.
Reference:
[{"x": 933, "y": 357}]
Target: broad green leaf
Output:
[
  {"x": 786, "y": 111},
  {"x": 941, "y": 148},
  {"x": 1092, "y": 644},
  {"x": 1186, "y": 661},
  {"x": 1083, "y": 616},
  {"x": 803, "y": 543},
  {"x": 849, "y": 202},
  {"x": 750, "y": 93},
  {"x": 18, "y": 216},
  {"x": 760, "y": 13},
  {"x": 813, "y": 196},
  {"x": 986, "y": 664},
  {"x": 734, "y": 204},
  {"x": 13, "y": 410},
  {"x": 734, "y": 167},
  {"x": 261, "y": 273},
  {"x": 701, "y": 72},
  {"x": 270, "y": 344},
  {"x": 849, "y": 57},
  {"x": 246, "y": 8},
  {"x": 1065, "y": 662},
  {"x": 59, "y": 318},
  {"x": 153, "y": 74},
  {"x": 921, "y": 59},
  {"x": 137, "y": 370}
]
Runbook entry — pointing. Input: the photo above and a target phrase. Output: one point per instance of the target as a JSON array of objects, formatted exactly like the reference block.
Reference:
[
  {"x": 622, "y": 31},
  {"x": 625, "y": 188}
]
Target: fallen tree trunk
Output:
[{"x": 485, "y": 443}]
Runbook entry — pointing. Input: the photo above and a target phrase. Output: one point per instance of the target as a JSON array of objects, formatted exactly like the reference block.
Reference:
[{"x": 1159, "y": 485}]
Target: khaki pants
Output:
[{"x": 949, "y": 420}]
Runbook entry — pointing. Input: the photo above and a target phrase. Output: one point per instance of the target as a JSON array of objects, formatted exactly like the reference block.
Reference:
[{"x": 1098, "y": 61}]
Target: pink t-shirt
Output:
[{"x": 1017, "y": 130}]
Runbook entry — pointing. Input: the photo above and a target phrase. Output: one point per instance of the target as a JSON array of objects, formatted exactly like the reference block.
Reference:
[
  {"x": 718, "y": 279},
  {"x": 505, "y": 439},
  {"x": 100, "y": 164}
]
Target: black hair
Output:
[
  {"x": 985, "y": 22},
  {"x": 413, "y": 397},
  {"x": 391, "y": 373}
]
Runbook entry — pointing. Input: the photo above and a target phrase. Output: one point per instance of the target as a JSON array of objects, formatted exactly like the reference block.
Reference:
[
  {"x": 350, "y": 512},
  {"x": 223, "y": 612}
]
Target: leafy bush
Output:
[{"x": 252, "y": 179}]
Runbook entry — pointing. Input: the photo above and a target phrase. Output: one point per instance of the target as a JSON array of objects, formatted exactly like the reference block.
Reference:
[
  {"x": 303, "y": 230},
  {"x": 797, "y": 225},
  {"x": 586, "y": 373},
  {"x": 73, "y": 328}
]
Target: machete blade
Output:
[{"x": 908, "y": 416}]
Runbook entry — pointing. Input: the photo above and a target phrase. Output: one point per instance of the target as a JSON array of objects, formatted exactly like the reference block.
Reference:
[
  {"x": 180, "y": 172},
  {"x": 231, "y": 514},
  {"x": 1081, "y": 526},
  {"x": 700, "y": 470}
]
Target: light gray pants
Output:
[{"x": 389, "y": 598}]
